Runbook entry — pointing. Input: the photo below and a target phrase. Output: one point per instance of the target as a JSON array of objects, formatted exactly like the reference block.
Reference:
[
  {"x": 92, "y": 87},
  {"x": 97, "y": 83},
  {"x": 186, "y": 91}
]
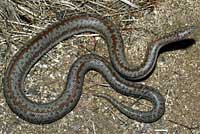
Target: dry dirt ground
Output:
[{"x": 177, "y": 74}]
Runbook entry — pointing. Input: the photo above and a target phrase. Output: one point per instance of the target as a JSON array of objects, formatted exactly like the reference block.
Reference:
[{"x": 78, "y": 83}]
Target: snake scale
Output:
[{"x": 119, "y": 73}]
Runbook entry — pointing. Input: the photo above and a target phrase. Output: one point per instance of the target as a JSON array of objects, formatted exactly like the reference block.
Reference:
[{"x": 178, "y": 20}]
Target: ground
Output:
[{"x": 176, "y": 75}]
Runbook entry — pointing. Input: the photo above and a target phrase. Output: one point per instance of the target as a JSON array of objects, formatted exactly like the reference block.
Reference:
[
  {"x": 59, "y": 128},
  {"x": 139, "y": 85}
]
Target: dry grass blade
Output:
[{"x": 130, "y": 3}]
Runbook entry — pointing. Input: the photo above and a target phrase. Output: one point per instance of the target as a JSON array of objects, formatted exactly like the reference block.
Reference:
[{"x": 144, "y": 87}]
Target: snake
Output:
[{"x": 118, "y": 72}]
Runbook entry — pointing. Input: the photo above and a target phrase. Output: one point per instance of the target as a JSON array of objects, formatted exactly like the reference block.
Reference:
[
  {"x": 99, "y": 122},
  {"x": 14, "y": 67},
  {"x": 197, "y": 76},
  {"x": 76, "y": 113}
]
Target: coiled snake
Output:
[{"x": 119, "y": 74}]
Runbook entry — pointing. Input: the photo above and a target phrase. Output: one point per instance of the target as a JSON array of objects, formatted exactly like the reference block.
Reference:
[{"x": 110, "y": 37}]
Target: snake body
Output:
[{"x": 118, "y": 74}]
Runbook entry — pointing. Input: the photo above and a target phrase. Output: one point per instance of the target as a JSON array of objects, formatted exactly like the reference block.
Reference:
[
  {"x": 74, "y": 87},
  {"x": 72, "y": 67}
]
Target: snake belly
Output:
[{"x": 118, "y": 74}]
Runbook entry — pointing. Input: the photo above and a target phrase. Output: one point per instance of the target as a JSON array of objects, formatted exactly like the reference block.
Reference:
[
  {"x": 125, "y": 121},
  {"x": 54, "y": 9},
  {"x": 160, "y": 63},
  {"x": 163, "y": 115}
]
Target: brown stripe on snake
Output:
[{"x": 118, "y": 74}]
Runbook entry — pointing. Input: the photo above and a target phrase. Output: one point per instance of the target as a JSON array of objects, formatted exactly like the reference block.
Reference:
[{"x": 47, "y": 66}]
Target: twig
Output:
[
  {"x": 93, "y": 127},
  {"x": 26, "y": 10},
  {"x": 185, "y": 126},
  {"x": 101, "y": 5},
  {"x": 130, "y": 3}
]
